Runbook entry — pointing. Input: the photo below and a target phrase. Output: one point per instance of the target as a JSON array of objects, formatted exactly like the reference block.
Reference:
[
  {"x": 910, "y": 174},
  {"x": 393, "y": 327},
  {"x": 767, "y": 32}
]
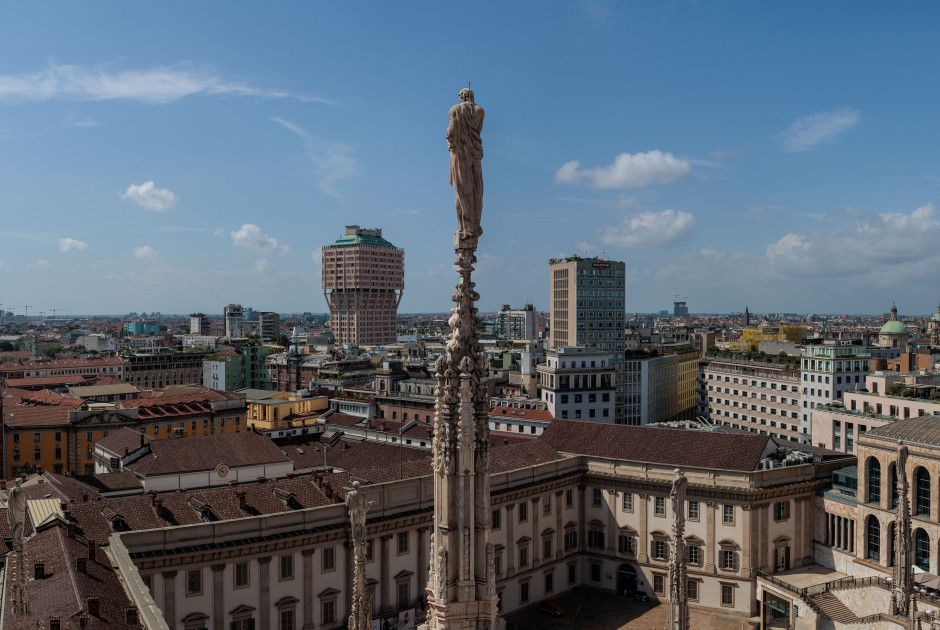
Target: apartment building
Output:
[
  {"x": 578, "y": 383},
  {"x": 149, "y": 370},
  {"x": 754, "y": 396},
  {"x": 660, "y": 384},
  {"x": 520, "y": 324},
  {"x": 234, "y": 317},
  {"x": 828, "y": 371},
  {"x": 269, "y": 327},
  {"x": 198, "y": 324}
]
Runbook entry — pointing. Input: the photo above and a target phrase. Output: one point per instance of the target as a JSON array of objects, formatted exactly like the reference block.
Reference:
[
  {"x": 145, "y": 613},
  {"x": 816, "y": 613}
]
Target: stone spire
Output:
[
  {"x": 678, "y": 584},
  {"x": 902, "y": 585},
  {"x": 360, "y": 610},
  {"x": 747, "y": 317},
  {"x": 18, "y": 571},
  {"x": 462, "y": 582}
]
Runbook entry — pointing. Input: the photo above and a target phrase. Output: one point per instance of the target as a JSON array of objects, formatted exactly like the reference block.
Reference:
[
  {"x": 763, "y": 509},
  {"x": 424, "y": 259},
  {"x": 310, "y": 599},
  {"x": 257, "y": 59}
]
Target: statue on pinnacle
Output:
[{"x": 466, "y": 172}]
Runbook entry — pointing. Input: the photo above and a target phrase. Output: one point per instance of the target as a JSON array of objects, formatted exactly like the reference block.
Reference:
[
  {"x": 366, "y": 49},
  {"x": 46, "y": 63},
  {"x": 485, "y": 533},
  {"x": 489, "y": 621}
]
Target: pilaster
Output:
[
  {"x": 265, "y": 591},
  {"x": 710, "y": 541},
  {"x": 218, "y": 597},
  {"x": 307, "y": 555},
  {"x": 385, "y": 586},
  {"x": 642, "y": 554},
  {"x": 169, "y": 598},
  {"x": 559, "y": 527}
]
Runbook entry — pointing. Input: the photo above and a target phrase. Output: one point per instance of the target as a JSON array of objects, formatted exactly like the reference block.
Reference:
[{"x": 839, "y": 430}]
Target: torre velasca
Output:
[{"x": 363, "y": 281}]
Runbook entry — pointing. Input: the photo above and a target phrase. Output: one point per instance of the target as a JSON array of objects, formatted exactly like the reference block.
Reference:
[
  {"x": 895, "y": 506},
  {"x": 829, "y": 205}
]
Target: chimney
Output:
[
  {"x": 81, "y": 564},
  {"x": 345, "y": 445},
  {"x": 55, "y": 623},
  {"x": 93, "y": 606},
  {"x": 130, "y": 616},
  {"x": 84, "y": 497},
  {"x": 242, "y": 502},
  {"x": 153, "y": 498},
  {"x": 39, "y": 570},
  {"x": 328, "y": 490},
  {"x": 261, "y": 479},
  {"x": 141, "y": 439},
  {"x": 91, "y": 550},
  {"x": 71, "y": 530}
]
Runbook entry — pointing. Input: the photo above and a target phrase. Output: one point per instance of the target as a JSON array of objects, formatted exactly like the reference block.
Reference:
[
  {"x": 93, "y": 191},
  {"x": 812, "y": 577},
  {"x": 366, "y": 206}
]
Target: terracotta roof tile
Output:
[
  {"x": 206, "y": 452},
  {"x": 675, "y": 447},
  {"x": 124, "y": 440}
]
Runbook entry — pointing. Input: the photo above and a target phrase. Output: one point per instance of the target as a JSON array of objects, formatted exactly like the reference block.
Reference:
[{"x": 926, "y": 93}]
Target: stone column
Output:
[
  {"x": 582, "y": 525},
  {"x": 349, "y": 594},
  {"x": 169, "y": 598},
  {"x": 308, "y": 589},
  {"x": 559, "y": 525},
  {"x": 421, "y": 564},
  {"x": 612, "y": 527},
  {"x": 536, "y": 535},
  {"x": 642, "y": 555},
  {"x": 798, "y": 553},
  {"x": 746, "y": 543},
  {"x": 218, "y": 597},
  {"x": 510, "y": 541},
  {"x": 764, "y": 534},
  {"x": 710, "y": 541},
  {"x": 386, "y": 575},
  {"x": 265, "y": 588}
]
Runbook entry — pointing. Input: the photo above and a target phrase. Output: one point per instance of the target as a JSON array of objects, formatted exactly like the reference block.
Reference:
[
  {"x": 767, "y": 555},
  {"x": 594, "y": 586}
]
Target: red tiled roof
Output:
[
  {"x": 674, "y": 447},
  {"x": 37, "y": 381},
  {"x": 124, "y": 440},
  {"x": 498, "y": 411},
  {"x": 206, "y": 452},
  {"x": 307, "y": 452},
  {"x": 65, "y": 590}
]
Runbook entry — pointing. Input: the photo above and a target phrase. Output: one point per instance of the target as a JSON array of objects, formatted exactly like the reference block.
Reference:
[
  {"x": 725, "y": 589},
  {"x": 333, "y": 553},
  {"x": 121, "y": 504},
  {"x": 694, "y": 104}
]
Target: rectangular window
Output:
[
  {"x": 626, "y": 544},
  {"x": 547, "y": 549},
  {"x": 241, "y": 574},
  {"x": 287, "y": 567},
  {"x": 571, "y": 539},
  {"x": 402, "y": 543},
  {"x": 523, "y": 555},
  {"x": 523, "y": 512},
  {"x": 596, "y": 498},
  {"x": 194, "y": 582},
  {"x": 727, "y": 595},
  {"x": 595, "y": 572},
  {"x": 659, "y": 549},
  {"x": 627, "y": 501},
  {"x": 495, "y": 519},
  {"x": 286, "y": 619},
  {"x": 498, "y": 563},
  {"x": 727, "y": 515},
  {"x": 781, "y": 510},
  {"x": 569, "y": 500},
  {"x": 328, "y": 559},
  {"x": 571, "y": 573},
  {"x": 549, "y": 582},
  {"x": 404, "y": 594},
  {"x": 596, "y": 539},
  {"x": 328, "y": 611},
  {"x": 547, "y": 505},
  {"x": 693, "y": 510},
  {"x": 692, "y": 590},
  {"x": 659, "y": 583},
  {"x": 695, "y": 554},
  {"x": 660, "y": 506},
  {"x": 524, "y": 592},
  {"x": 727, "y": 559}
]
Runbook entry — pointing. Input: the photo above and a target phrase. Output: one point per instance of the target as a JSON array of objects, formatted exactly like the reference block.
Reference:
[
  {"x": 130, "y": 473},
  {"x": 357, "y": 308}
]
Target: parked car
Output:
[{"x": 553, "y": 609}]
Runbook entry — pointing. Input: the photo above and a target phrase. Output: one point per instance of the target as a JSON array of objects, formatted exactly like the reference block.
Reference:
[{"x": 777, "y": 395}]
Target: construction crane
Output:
[
  {"x": 27, "y": 307},
  {"x": 54, "y": 311}
]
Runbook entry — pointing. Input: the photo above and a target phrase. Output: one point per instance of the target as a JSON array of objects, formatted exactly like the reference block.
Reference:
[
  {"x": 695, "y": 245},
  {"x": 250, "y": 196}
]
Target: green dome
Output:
[
  {"x": 936, "y": 316},
  {"x": 893, "y": 327}
]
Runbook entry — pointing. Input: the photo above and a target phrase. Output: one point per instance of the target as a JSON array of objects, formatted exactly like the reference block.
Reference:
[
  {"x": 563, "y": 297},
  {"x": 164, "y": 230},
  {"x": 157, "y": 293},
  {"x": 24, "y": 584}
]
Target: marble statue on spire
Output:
[
  {"x": 466, "y": 155},
  {"x": 678, "y": 587},
  {"x": 902, "y": 584},
  {"x": 360, "y": 617}
]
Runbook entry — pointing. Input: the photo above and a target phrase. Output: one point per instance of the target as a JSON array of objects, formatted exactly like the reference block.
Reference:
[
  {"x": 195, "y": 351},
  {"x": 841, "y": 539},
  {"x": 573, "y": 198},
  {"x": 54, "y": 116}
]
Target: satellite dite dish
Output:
[{"x": 222, "y": 470}]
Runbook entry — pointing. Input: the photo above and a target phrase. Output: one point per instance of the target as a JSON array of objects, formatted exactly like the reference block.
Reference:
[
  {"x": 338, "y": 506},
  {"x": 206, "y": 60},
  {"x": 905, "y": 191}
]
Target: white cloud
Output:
[
  {"x": 758, "y": 211},
  {"x": 160, "y": 84},
  {"x": 262, "y": 265},
  {"x": 651, "y": 229},
  {"x": 83, "y": 123},
  {"x": 331, "y": 159},
  {"x": 805, "y": 133},
  {"x": 317, "y": 255},
  {"x": 41, "y": 264},
  {"x": 146, "y": 252},
  {"x": 635, "y": 170},
  {"x": 251, "y": 237},
  {"x": 147, "y": 195},
  {"x": 722, "y": 154},
  {"x": 70, "y": 245}
]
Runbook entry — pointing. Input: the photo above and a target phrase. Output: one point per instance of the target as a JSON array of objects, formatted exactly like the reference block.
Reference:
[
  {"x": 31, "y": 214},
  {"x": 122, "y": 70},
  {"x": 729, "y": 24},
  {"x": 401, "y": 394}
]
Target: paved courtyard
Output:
[{"x": 602, "y": 610}]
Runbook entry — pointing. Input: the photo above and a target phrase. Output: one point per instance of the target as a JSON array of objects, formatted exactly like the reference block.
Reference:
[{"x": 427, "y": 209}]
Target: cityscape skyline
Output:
[{"x": 729, "y": 155}]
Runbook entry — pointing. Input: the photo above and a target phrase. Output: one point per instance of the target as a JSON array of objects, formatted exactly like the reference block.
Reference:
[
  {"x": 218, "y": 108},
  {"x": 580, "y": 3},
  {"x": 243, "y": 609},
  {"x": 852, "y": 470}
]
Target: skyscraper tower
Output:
[
  {"x": 588, "y": 309},
  {"x": 234, "y": 316},
  {"x": 363, "y": 281}
]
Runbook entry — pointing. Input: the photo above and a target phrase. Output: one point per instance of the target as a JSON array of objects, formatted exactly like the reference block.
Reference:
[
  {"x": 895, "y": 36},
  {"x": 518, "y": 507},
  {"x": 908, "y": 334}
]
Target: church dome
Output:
[
  {"x": 893, "y": 327},
  {"x": 936, "y": 316}
]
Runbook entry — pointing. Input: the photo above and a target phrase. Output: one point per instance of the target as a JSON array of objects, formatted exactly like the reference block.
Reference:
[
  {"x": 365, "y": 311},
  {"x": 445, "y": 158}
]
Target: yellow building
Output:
[
  {"x": 751, "y": 337},
  {"x": 269, "y": 411},
  {"x": 60, "y": 436}
]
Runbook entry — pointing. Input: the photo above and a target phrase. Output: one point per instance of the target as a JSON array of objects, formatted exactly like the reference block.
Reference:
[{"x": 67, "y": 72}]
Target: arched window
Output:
[
  {"x": 874, "y": 481},
  {"x": 892, "y": 541},
  {"x": 893, "y": 483},
  {"x": 922, "y": 549},
  {"x": 873, "y": 534},
  {"x": 922, "y": 485}
]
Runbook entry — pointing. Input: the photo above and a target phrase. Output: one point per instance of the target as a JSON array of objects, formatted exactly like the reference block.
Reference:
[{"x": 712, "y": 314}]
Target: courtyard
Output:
[{"x": 594, "y": 609}]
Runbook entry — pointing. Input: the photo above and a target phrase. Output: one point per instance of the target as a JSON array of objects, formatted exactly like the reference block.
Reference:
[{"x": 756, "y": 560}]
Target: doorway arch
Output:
[{"x": 626, "y": 580}]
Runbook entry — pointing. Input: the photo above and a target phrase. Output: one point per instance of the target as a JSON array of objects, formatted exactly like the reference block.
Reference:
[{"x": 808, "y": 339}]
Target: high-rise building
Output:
[
  {"x": 829, "y": 370},
  {"x": 269, "y": 327},
  {"x": 578, "y": 384},
  {"x": 363, "y": 281},
  {"x": 234, "y": 316},
  {"x": 517, "y": 324},
  {"x": 198, "y": 324},
  {"x": 680, "y": 309},
  {"x": 587, "y": 309}
]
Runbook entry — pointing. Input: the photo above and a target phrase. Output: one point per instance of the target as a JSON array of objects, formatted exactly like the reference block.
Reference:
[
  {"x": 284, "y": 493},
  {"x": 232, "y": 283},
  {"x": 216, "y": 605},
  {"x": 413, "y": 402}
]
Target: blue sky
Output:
[{"x": 181, "y": 156}]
